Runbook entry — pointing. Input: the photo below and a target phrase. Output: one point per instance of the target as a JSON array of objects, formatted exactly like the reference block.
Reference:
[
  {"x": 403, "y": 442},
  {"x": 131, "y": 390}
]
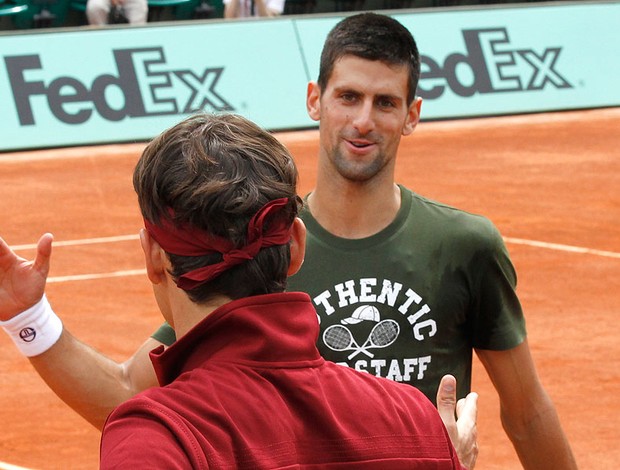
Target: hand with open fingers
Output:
[
  {"x": 460, "y": 420},
  {"x": 22, "y": 282}
]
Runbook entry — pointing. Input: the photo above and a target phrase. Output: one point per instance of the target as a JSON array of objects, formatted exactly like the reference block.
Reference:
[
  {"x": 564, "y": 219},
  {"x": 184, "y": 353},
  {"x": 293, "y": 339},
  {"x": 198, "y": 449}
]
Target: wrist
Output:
[{"x": 34, "y": 330}]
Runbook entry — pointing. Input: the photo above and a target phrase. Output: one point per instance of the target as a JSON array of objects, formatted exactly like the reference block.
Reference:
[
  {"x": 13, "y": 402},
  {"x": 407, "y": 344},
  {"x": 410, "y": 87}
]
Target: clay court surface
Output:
[{"x": 550, "y": 182}]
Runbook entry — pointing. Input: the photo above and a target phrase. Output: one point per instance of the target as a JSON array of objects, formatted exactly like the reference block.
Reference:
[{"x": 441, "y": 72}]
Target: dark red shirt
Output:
[{"x": 247, "y": 388}]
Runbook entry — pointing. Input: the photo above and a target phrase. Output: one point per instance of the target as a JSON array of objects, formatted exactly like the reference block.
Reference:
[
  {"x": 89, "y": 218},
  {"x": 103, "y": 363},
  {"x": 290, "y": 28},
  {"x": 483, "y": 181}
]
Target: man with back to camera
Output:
[{"x": 244, "y": 386}]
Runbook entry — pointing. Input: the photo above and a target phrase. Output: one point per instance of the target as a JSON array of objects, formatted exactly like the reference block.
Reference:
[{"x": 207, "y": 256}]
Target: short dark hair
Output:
[
  {"x": 214, "y": 172},
  {"x": 371, "y": 36}
]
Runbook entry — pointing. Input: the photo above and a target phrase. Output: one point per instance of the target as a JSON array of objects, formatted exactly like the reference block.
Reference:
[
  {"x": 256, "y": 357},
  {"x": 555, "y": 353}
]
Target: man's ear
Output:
[
  {"x": 313, "y": 101},
  {"x": 298, "y": 246},
  {"x": 153, "y": 258},
  {"x": 413, "y": 116}
]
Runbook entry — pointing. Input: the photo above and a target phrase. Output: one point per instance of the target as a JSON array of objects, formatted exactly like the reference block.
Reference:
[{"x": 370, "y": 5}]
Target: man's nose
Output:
[{"x": 364, "y": 118}]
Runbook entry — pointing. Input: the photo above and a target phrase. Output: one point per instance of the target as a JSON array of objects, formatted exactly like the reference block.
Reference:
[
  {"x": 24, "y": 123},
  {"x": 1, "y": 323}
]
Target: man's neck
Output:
[
  {"x": 187, "y": 314},
  {"x": 354, "y": 210}
]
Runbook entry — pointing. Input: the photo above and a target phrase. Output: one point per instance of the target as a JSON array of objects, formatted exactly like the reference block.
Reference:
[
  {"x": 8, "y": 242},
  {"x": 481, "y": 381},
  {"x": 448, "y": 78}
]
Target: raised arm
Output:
[
  {"x": 82, "y": 377},
  {"x": 527, "y": 413},
  {"x": 91, "y": 383},
  {"x": 22, "y": 282}
]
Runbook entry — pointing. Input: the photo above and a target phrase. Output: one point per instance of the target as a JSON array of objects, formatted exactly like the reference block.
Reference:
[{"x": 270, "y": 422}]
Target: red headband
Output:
[{"x": 184, "y": 240}]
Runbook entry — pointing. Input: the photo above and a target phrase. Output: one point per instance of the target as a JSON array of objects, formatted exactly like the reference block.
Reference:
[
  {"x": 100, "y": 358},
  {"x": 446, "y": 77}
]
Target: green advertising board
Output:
[{"x": 90, "y": 86}]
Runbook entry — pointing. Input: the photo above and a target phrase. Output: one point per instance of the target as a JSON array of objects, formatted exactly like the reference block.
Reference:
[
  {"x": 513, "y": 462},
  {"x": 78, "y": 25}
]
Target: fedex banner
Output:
[{"x": 90, "y": 86}]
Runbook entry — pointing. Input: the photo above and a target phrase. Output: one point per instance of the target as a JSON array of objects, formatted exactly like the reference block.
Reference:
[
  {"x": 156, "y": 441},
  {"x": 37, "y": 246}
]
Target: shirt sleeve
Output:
[
  {"x": 138, "y": 436},
  {"x": 499, "y": 322},
  {"x": 165, "y": 334}
]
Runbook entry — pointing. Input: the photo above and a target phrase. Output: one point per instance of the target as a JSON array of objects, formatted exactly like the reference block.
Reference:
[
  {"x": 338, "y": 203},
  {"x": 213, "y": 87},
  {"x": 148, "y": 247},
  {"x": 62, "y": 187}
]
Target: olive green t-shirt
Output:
[{"x": 410, "y": 302}]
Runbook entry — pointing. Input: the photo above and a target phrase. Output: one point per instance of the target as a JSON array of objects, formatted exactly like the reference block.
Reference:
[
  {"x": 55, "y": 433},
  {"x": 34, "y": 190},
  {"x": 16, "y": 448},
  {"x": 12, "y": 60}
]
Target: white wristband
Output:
[{"x": 35, "y": 330}]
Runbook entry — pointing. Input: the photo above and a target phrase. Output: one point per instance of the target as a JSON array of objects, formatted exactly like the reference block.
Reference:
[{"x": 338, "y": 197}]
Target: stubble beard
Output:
[{"x": 357, "y": 171}]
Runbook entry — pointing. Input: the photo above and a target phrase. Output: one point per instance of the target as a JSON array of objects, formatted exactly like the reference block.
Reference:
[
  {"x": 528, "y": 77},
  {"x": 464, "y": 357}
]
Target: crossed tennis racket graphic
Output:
[{"x": 339, "y": 338}]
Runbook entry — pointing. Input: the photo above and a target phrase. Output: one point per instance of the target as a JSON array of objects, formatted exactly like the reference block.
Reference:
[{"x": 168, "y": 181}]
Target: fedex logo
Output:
[
  {"x": 142, "y": 84},
  {"x": 141, "y": 79},
  {"x": 490, "y": 65}
]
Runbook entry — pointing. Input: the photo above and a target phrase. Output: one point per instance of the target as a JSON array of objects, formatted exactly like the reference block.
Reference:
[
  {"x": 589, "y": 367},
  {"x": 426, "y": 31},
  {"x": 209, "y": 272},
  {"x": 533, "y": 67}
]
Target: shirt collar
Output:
[{"x": 273, "y": 329}]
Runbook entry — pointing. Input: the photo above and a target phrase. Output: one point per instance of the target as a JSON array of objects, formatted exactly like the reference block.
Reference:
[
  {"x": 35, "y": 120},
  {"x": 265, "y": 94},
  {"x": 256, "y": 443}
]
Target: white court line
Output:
[
  {"x": 516, "y": 241},
  {"x": 560, "y": 247},
  {"x": 88, "y": 277},
  {"x": 83, "y": 241},
  {"x": 140, "y": 272},
  {"x": 8, "y": 466}
]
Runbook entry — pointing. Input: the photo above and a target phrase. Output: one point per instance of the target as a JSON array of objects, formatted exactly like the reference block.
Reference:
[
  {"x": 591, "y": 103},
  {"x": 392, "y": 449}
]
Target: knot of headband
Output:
[{"x": 184, "y": 240}]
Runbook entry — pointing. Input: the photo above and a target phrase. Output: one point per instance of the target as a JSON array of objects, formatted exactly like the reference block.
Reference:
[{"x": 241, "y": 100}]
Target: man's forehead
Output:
[{"x": 372, "y": 76}]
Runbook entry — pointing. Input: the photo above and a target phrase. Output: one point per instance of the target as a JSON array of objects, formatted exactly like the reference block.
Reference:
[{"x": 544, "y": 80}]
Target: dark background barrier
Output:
[{"x": 34, "y": 14}]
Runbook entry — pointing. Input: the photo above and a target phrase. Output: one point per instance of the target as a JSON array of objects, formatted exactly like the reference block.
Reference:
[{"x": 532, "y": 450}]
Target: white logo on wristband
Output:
[
  {"x": 28, "y": 334},
  {"x": 35, "y": 330}
]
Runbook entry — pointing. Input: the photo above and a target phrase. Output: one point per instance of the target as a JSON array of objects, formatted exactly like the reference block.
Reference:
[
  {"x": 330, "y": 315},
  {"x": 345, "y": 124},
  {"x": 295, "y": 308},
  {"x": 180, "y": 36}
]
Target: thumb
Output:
[
  {"x": 446, "y": 403},
  {"x": 44, "y": 252}
]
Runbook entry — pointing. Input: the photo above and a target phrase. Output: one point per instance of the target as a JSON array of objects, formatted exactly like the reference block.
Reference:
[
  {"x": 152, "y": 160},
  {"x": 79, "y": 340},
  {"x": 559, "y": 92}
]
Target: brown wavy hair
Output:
[{"x": 215, "y": 171}]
